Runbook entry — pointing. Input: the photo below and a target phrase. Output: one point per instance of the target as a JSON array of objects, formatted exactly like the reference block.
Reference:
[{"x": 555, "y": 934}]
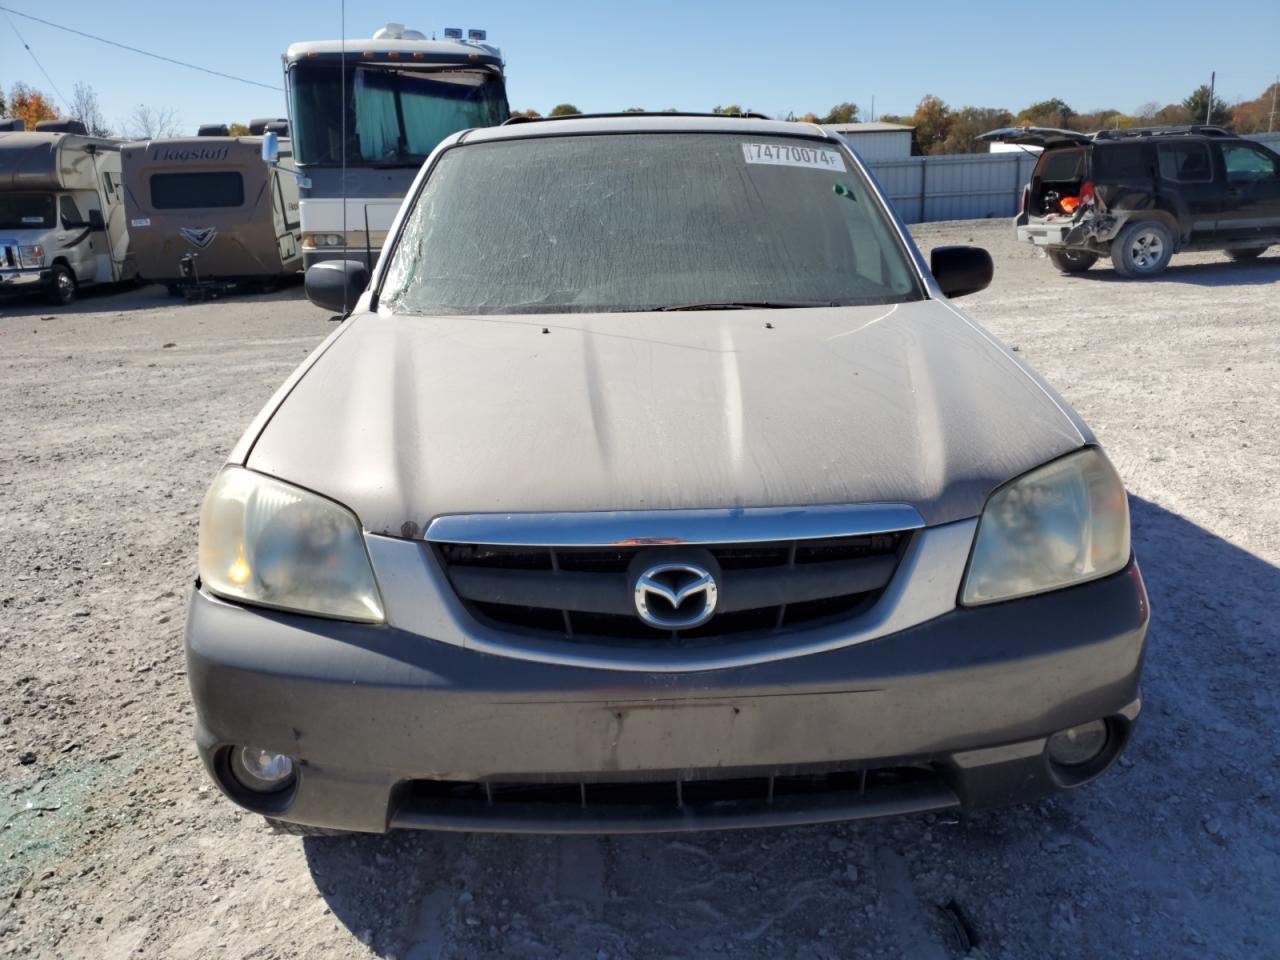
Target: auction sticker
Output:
[{"x": 794, "y": 155}]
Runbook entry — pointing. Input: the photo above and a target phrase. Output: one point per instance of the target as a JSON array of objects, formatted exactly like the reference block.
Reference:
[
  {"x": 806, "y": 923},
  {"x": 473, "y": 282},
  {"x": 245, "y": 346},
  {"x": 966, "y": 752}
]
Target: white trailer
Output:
[{"x": 62, "y": 216}]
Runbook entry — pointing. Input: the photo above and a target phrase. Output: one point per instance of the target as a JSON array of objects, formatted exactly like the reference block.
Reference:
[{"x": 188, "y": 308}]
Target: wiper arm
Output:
[{"x": 748, "y": 305}]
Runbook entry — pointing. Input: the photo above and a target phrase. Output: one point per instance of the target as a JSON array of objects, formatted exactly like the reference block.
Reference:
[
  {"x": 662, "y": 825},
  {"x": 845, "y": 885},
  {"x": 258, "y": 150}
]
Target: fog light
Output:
[
  {"x": 1077, "y": 745},
  {"x": 261, "y": 770}
]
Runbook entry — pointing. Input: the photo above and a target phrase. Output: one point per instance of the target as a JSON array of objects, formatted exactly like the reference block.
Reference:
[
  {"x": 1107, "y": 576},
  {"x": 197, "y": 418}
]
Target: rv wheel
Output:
[{"x": 62, "y": 285}]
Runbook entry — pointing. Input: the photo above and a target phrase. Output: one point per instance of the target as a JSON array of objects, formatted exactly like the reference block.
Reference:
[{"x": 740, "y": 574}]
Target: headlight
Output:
[
  {"x": 269, "y": 543},
  {"x": 1063, "y": 523},
  {"x": 31, "y": 256}
]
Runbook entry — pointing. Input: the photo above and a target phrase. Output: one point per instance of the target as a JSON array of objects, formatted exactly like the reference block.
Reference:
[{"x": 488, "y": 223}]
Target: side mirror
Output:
[
  {"x": 961, "y": 270},
  {"x": 95, "y": 220},
  {"x": 336, "y": 284},
  {"x": 270, "y": 148}
]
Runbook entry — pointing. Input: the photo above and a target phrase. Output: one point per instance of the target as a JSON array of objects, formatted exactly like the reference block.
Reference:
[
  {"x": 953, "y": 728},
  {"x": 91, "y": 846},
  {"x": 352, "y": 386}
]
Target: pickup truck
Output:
[{"x": 1142, "y": 195}]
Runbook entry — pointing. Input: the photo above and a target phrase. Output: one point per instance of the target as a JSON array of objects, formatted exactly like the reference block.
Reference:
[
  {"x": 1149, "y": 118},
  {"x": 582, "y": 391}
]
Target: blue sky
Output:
[{"x": 772, "y": 57}]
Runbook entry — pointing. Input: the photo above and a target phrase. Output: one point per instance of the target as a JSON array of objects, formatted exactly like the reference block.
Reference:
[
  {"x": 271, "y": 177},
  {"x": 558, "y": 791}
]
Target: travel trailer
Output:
[
  {"x": 208, "y": 216},
  {"x": 365, "y": 115},
  {"x": 62, "y": 217}
]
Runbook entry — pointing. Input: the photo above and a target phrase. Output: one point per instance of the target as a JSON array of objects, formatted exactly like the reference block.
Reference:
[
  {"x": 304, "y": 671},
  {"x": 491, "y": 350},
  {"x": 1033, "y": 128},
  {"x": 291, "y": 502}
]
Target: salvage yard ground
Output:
[{"x": 114, "y": 416}]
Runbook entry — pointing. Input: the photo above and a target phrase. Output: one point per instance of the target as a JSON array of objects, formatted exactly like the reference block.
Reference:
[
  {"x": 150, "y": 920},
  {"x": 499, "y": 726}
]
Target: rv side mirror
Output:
[
  {"x": 95, "y": 220},
  {"x": 961, "y": 270},
  {"x": 270, "y": 148},
  {"x": 336, "y": 284}
]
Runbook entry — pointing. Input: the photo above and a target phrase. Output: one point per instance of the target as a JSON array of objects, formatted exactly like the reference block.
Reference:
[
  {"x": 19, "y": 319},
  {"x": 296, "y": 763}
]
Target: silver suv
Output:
[{"x": 654, "y": 483}]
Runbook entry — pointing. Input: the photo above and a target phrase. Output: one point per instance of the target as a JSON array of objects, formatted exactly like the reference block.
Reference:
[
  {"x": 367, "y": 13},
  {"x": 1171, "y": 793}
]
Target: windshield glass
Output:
[
  {"x": 643, "y": 222},
  {"x": 394, "y": 117},
  {"x": 26, "y": 211}
]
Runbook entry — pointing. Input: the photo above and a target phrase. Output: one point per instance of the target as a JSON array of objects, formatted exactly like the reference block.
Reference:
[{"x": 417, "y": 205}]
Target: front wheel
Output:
[
  {"x": 1250, "y": 253},
  {"x": 62, "y": 285},
  {"x": 1142, "y": 250},
  {"x": 1072, "y": 261}
]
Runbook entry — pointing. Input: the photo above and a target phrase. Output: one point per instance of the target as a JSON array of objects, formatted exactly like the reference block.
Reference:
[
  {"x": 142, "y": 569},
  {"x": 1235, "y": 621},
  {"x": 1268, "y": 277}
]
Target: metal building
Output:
[{"x": 876, "y": 141}]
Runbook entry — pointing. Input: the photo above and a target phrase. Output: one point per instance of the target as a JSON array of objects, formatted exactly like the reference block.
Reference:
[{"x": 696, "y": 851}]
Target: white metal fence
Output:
[{"x": 967, "y": 186}]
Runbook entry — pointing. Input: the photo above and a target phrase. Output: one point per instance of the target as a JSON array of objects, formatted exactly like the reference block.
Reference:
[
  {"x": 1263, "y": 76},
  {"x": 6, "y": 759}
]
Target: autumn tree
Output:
[
  {"x": 31, "y": 106},
  {"x": 1255, "y": 116},
  {"x": 842, "y": 113},
  {"x": 84, "y": 107},
  {"x": 932, "y": 122},
  {"x": 808, "y": 118},
  {"x": 528, "y": 114},
  {"x": 968, "y": 123},
  {"x": 564, "y": 110},
  {"x": 733, "y": 110}
]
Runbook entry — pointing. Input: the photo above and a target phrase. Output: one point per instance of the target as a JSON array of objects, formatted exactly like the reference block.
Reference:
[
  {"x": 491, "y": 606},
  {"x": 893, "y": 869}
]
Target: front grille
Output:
[
  {"x": 588, "y": 592},
  {"x": 9, "y": 254},
  {"x": 501, "y": 798}
]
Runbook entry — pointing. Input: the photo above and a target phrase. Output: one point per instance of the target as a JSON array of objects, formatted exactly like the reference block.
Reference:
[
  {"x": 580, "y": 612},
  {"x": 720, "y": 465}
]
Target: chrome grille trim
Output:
[{"x": 659, "y": 527}]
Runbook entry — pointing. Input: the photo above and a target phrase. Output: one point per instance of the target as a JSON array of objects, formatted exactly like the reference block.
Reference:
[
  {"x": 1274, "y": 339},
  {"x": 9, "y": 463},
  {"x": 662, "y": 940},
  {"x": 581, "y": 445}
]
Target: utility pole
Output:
[
  {"x": 1208, "y": 111},
  {"x": 1274, "y": 87}
]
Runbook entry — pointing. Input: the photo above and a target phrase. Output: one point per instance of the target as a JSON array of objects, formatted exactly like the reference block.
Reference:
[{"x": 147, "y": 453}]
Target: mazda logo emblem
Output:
[{"x": 675, "y": 596}]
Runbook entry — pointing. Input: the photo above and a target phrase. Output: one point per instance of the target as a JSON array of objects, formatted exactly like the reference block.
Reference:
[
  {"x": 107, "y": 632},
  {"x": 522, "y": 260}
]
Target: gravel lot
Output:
[{"x": 115, "y": 414}]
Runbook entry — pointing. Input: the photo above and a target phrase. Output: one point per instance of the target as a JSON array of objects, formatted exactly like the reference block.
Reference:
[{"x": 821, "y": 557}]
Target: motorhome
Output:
[
  {"x": 366, "y": 113},
  {"x": 62, "y": 217},
  {"x": 208, "y": 215}
]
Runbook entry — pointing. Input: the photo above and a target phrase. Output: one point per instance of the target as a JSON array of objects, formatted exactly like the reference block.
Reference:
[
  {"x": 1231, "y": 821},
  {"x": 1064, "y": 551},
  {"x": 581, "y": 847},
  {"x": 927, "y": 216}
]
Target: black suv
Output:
[{"x": 1142, "y": 195}]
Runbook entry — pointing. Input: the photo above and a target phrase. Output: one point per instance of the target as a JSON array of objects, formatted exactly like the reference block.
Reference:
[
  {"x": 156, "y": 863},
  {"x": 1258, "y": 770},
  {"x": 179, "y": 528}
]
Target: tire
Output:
[
  {"x": 62, "y": 285},
  {"x": 301, "y": 829},
  {"x": 1142, "y": 250},
  {"x": 1072, "y": 261},
  {"x": 1250, "y": 253}
]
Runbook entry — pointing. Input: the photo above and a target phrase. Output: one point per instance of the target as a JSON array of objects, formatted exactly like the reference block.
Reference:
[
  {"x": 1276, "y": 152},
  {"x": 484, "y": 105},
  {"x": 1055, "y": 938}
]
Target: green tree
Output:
[
  {"x": 842, "y": 113},
  {"x": 1047, "y": 113},
  {"x": 635, "y": 110},
  {"x": 564, "y": 110},
  {"x": 1199, "y": 111},
  {"x": 530, "y": 114}
]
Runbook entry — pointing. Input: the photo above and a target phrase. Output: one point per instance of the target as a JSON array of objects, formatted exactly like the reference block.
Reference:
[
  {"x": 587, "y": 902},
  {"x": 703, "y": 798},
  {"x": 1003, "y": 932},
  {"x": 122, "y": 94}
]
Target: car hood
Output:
[{"x": 406, "y": 418}]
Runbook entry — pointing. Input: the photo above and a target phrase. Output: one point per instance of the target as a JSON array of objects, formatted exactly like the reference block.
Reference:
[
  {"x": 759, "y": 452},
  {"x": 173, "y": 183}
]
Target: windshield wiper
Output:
[{"x": 748, "y": 305}]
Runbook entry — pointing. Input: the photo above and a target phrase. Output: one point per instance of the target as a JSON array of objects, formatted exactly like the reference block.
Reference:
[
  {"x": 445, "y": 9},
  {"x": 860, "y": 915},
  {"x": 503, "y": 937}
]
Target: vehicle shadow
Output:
[
  {"x": 1166, "y": 850},
  {"x": 1228, "y": 273}
]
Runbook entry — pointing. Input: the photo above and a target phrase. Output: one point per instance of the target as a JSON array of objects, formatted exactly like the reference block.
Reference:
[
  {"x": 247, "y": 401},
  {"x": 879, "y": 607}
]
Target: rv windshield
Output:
[
  {"x": 26, "y": 211},
  {"x": 395, "y": 117}
]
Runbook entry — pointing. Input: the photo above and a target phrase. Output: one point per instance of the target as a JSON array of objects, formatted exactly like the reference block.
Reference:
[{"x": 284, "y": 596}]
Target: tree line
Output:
[
  {"x": 146, "y": 122},
  {"x": 938, "y": 128}
]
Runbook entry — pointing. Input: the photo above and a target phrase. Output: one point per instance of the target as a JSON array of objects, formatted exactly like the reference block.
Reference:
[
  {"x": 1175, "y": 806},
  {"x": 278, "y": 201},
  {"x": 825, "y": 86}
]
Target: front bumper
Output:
[
  {"x": 388, "y": 728},
  {"x": 23, "y": 280}
]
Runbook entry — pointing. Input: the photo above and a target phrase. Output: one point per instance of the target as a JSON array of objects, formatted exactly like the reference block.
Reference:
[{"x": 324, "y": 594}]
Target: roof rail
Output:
[
  {"x": 637, "y": 113},
  {"x": 1192, "y": 130}
]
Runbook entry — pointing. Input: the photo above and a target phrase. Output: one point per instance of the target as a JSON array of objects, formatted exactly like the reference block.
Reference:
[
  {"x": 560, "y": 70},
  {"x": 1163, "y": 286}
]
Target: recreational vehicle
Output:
[
  {"x": 62, "y": 218},
  {"x": 366, "y": 113},
  {"x": 208, "y": 216}
]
